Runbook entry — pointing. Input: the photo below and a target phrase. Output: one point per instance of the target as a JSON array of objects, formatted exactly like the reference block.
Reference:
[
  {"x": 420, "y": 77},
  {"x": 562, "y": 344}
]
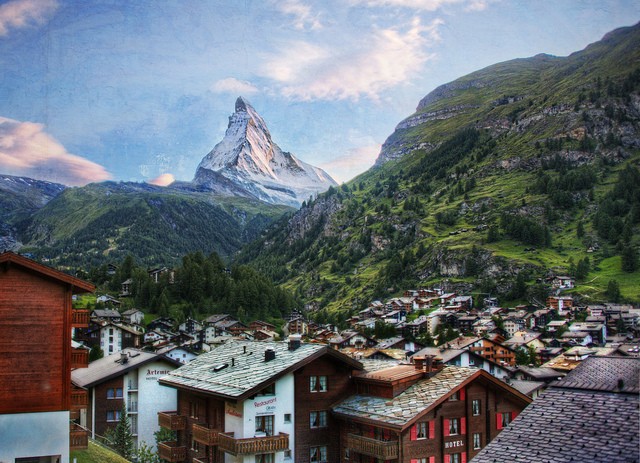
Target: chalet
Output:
[
  {"x": 524, "y": 339},
  {"x": 465, "y": 323},
  {"x": 260, "y": 325},
  {"x": 163, "y": 323},
  {"x": 589, "y": 415},
  {"x": 108, "y": 301},
  {"x": 156, "y": 274},
  {"x": 573, "y": 357},
  {"x": 352, "y": 339},
  {"x": 258, "y": 401},
  {"x": 125, "y": 287},
  {"x": 562, "y": 304},
  {"x": 576, "y": 338},
  {"x": 115, "y": 337},
  {"x": 181, "y": 354},
  {"x": 597, "y": 331},
  {"x": 190, "y": 326},
  {"x": 486, "y": 347},
  {"x": 400, "y": 342},
  {"x": 422, "y": 324},
  {"x": 296, "y": 325},
  {"x": 408, "y": 414},
  {"x": 36, "y": 396},
  {"x": 126, "y": 379},
  {"x": 461, "y": 357},
  {"x": 555, "y": 325},
  {"x": 563, "y": 282},
  {"x": 133, "y": 316},
  {"x": 483, "y": 326},
  {"x": 465, "y": 302},
  {"x": 108, "y": 315}
]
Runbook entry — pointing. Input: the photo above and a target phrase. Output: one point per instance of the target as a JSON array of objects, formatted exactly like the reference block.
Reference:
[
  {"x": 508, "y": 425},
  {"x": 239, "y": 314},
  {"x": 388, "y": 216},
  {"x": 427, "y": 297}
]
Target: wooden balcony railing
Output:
[
  {"x": 201, "y": 460},
  {"x": 172, "y": 421},
  {"x": 252, "y": 445},
  {"x": 204, "y": 435},
  {"x": 79, "y": 399},
  {"x": 79, "y": 318},
  {"x": 170, "y": 451},
  {"x": 384, "y": 450},
  {"x": 79, "y": 358},
  {"x": 78, "y": 438}
]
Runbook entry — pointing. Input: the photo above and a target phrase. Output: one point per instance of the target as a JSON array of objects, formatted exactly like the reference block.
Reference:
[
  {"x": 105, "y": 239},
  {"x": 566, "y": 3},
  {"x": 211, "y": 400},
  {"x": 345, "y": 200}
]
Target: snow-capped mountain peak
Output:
[{"x": 248, "y": 157}]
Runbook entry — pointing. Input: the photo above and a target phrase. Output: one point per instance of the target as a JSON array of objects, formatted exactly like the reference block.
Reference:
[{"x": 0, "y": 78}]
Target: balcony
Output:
[
  {"x": 384, "y": 450},
  {"x": 79, "y": 318},
  {"x": 172, "y": 421},
  {"x": 201, "y": 460},
  {"x": 78, "y": 438},
  {"x": 204, "y": 435},
  {"x": 79, "y": 358},
  {"x": 79, "y": 399},
  {"x": 252, "y": 445},
  {"x": 170, "y": 451}
]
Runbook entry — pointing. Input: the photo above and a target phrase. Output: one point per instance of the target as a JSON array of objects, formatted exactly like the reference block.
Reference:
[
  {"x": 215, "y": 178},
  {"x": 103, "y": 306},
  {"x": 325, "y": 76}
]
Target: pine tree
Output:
[{"x": 122, "y": 438}]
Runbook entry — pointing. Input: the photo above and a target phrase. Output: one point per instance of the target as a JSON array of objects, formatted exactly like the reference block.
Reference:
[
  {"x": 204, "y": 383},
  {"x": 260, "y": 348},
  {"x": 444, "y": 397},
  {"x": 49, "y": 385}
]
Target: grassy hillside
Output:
[
  {"x": 524, "y": 168},
  {"x": 104, "y": 222}
]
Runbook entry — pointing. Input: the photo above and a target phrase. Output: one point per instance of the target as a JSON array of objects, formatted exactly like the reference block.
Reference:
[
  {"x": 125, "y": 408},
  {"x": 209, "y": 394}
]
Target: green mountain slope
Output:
[
  {"x": 104, "y": 222},
  {"x": 500, "y": 178}
]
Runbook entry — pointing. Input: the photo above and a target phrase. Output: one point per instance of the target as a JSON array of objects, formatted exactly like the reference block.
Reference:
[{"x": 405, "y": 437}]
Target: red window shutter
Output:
[
  {"x": 432, "y": 459},
  {"x": 463, "y": 425},
  {"x": 513, "y": 415},
  {"x": 432, "y": 430},
  {"x": 414, "y": 432},
  {"x": 464, "y": 457},
  {"x": 462, "y": 394},
  {"x": 445, "y": 423},
  {"x": 414, "y": 460},
  {"x": 447, "y": 459},
  {"x": 499, "y": 420}
]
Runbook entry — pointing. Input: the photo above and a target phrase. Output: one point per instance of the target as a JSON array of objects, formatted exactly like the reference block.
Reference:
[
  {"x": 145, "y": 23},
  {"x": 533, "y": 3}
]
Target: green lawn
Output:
[{"x": 96, "y": 454}]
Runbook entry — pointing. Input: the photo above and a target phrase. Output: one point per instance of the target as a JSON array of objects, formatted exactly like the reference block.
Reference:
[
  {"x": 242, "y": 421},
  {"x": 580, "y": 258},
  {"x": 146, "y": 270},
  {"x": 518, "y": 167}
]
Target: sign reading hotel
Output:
[{"x": 265, "y": 406}]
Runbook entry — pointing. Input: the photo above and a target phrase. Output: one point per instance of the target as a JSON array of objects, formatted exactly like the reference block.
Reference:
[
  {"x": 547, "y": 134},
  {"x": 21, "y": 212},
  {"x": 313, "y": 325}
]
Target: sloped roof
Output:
[
  {"x": 407, "y": 405},
  {"x": 238, "y": 369},
  {"x": 111, "y": 366},
  {"x": 578, "y": 421},
  {"x": 77, "y": 285}
]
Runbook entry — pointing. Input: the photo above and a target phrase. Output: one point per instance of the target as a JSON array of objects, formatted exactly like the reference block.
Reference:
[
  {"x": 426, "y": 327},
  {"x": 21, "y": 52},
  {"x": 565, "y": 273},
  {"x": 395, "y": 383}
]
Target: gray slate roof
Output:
[
  {"x": 237, "y": 368},
  {"x": 409, "y": 404},
  {"x": 579, "y": 421},
  {"x": 611, "y": 374},
  {"x": 111, "y": 366}
]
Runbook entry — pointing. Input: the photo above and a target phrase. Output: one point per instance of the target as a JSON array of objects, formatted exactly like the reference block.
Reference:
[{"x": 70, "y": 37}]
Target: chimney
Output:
[
  {"x": 269, "y": 355},
  {"x": 124, "y": 358},
  {"x": 294, "y": 341}
]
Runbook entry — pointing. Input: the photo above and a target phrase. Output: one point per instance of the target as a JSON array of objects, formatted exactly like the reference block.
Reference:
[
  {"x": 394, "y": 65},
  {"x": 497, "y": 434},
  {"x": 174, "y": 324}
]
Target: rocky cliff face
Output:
[{"x": 247, "y": 162}]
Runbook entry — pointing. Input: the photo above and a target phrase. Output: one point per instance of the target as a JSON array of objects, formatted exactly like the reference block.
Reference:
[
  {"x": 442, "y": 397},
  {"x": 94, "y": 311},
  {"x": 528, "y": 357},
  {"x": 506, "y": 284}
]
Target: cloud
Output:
[
  {"x": 303, "y": 16},
  {"x": 386, "y": 58},
  {"x": 18, "y": 14},
  {"x": 163, "y": 180},
  {"x": 235, "y": 86},
  {"x": 426, "y": 5},
  {"x": 27, "y": 150},
  {"x": 356, "y": 161}
]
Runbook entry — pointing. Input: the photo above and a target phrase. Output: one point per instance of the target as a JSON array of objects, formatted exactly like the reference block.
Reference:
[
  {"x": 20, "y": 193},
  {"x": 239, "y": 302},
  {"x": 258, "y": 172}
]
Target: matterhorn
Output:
[{"x": 248, "y": 163}]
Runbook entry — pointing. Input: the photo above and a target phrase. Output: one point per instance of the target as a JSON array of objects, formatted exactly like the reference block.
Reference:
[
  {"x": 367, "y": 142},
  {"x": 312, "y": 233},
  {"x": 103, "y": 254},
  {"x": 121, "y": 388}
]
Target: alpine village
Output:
[{"x": 473, "y": 297}]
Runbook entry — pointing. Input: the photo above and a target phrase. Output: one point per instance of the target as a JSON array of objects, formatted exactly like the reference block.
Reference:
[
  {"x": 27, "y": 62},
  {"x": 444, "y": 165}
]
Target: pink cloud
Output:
[
  {"x": 18, "y": 14},
  {"x": 163, "y": 180},
  {"x": 27, "y": 150}
]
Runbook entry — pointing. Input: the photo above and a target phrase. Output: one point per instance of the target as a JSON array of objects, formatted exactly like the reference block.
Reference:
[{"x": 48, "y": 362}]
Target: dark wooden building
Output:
[{"x": 36, "y": 357}]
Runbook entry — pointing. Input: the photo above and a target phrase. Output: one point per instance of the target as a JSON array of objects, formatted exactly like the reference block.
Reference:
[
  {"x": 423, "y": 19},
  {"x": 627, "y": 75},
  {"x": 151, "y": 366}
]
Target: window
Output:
[
  {"x": 422, "y": 430},
  {"x": 318, "y": 454},
  {"x": 455, "y": 458},
  {"x": 287, "y": 418},
  {"x": 318, "y": 383},
  {"x": 193, "y": 409},
  {"x": 267, "y": 458},
  {"x": 269, "y": 390},
  {"x": 318, "y": 419},
  {"x": 477, "y": 441},
  {"x": 454, "y": 426},
  {"x": 287, "y": 454},
  {"x": 113, "y": 415},
  {"x": 455, "y": 396},
  {"x": 475, "y": 407},
  {"x": 114, "y": 393},
  {"x": 264, "y": 424},
  {"x": 503, "y": 419}
]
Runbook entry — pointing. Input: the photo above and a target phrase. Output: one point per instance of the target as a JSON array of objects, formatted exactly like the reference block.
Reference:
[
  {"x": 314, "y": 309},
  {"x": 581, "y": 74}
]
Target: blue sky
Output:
[{"x": 127, "y": 90}]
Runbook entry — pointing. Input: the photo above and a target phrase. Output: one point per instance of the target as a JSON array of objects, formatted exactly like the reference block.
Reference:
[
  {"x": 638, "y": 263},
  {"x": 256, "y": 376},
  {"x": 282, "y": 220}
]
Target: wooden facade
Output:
[{"x": 36, "y": 356}]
